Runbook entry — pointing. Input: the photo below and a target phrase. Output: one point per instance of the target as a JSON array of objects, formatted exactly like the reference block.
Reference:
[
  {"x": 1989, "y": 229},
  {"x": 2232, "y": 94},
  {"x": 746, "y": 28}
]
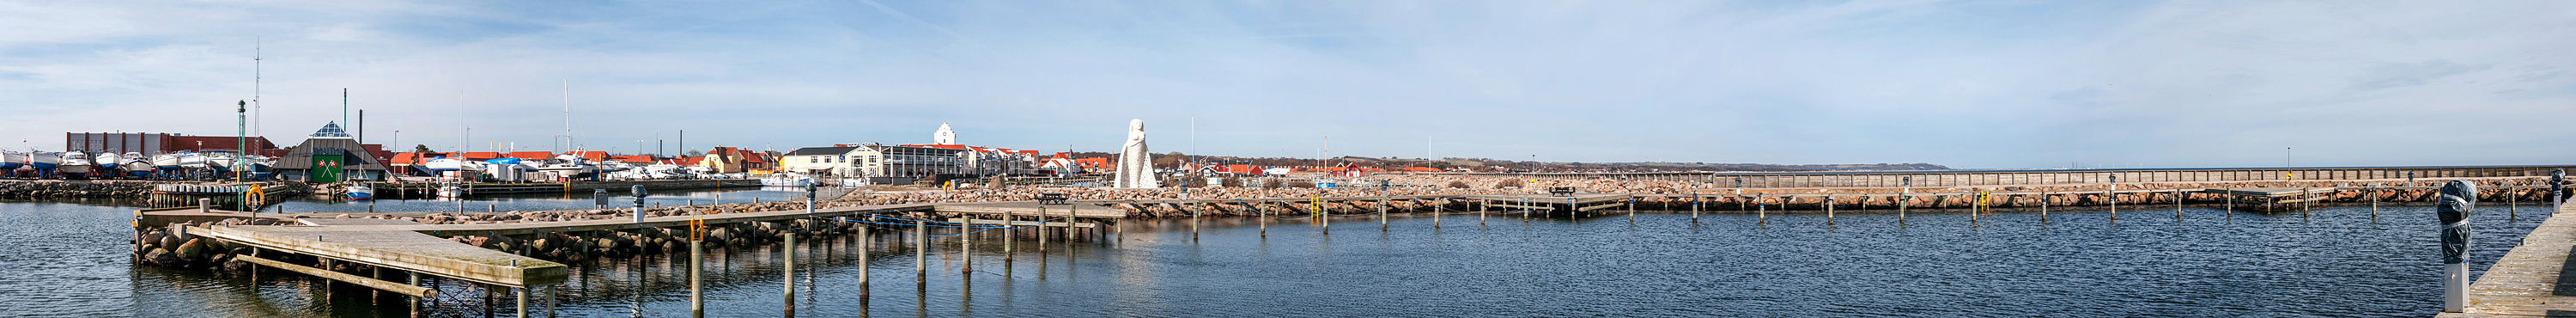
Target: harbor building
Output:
[
  {"x": 156, "y": 143},
  {"x": 735, "y": 160},
  {"x": 331, "y": 155}
]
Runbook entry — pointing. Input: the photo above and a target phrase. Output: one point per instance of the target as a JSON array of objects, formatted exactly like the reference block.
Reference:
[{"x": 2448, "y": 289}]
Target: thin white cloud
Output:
[{"x": 1965, "y": 83}]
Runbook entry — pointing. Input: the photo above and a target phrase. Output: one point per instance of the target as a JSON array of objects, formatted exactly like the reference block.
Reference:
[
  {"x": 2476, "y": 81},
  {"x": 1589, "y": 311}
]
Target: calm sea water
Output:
[{"x": 70, "y": 259}]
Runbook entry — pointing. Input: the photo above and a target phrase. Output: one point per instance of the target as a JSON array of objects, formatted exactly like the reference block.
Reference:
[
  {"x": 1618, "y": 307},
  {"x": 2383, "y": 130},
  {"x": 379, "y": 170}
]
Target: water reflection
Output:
[{"x": 1938, "y": 263}]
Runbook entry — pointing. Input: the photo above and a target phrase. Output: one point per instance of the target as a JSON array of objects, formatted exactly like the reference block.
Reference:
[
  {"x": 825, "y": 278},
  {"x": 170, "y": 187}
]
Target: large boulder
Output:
[
  {"x": 193, "y": 250},
  {"x": 162, "y": 257}
]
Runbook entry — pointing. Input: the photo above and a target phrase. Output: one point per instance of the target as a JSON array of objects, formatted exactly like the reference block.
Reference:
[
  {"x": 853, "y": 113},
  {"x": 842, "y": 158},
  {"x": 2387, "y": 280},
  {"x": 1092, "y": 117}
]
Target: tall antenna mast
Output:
[
  {"x": 344, "y": 106},
  {"x": 567, "y": 86},
  {"x": 255, "y": 58}
]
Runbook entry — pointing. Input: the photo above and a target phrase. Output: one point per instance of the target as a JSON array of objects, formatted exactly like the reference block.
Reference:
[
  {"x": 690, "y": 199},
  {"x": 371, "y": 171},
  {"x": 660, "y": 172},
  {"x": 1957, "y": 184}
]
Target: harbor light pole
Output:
[{"x": 241, "y": 143}]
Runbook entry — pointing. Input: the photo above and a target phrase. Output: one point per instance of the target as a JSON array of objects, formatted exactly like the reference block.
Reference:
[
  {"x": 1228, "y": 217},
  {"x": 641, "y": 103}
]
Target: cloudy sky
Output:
[{"x": 1971, "y": 84}]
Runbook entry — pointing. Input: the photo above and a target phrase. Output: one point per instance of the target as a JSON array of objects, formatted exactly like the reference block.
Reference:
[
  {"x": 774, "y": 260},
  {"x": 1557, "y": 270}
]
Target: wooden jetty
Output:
[
  {"x": 1580, "y": 202},
  {"x": 419, "y": 189},
  {"x": 2273, "y": 199},
  {"x": 2532, "y": 280},
  {"x": 421, "y": 249}
]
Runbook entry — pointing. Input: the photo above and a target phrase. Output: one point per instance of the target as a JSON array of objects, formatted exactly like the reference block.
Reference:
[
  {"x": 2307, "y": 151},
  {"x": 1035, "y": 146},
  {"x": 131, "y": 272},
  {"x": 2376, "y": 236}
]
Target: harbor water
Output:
[{"x": 71, "y": 258}]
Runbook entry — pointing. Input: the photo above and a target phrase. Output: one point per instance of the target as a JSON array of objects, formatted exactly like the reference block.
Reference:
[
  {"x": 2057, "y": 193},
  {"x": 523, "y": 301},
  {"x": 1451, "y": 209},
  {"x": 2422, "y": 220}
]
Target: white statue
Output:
[{"x": 1135, "y": 164}]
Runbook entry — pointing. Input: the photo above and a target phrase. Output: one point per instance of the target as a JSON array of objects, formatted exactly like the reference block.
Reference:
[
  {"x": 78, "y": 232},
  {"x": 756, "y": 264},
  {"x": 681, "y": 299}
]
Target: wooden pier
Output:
[
  {"x": 2532, "y": 280},
  {"x": 1580, "y": 202},
  {"x": 422, "y": 249},
  {"x": 418, "y": 189}
]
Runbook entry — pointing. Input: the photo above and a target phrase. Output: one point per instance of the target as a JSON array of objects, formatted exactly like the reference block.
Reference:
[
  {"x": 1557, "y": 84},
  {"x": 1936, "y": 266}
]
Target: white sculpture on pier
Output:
[
  {"x": 944, "y": 136},
  {"x": 1135, "y": 165}
]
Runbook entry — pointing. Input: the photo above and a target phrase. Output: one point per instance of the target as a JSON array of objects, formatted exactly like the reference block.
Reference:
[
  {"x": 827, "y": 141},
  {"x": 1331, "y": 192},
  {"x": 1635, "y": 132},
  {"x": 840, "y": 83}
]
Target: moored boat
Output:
[{"x": 361, "y": 192}]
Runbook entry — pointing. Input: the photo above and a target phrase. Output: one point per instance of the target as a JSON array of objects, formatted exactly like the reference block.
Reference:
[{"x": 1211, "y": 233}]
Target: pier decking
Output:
[
  {"x": 2533, "y": 279},
  {"x": 420, "y": 248}
]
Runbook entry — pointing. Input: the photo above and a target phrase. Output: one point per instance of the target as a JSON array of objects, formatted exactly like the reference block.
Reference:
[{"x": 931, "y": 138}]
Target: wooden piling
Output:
[
  {"x": 864, "y": 241},
  {"x": 921, "y": 255},
  {"x": 697, "y": 299},
  {"x": 787, "y": 263}
]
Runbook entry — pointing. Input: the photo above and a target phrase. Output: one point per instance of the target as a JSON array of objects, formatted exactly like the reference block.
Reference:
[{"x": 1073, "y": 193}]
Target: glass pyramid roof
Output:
[{"x": 331, "y": 130}]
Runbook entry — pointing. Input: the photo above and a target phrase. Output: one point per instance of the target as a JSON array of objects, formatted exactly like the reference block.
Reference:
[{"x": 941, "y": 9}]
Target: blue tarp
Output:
[{"x": 506, "y": 161}]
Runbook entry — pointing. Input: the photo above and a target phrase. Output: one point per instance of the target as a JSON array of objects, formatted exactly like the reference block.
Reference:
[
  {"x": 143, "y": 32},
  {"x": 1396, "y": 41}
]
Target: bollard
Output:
[
  {"x": 966, "y": 247},
  {"x": 1829, "y": 210},
  {"x": 2457, "y": 200},
  {"x": 639, "y": 202},
  {"x": 206, "y": 205},
  {"x": 2557, "y": 190}
]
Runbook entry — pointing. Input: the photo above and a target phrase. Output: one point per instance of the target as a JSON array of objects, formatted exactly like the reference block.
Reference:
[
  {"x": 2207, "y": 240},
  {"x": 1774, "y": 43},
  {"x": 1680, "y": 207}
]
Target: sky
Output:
[{"x": 1967, "y": 84}]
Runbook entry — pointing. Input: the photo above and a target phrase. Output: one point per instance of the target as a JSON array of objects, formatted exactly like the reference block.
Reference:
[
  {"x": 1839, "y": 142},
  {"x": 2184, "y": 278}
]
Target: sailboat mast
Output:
[
  {"x": 255, "y": 60},
  {"x": 567, "y": 138}
]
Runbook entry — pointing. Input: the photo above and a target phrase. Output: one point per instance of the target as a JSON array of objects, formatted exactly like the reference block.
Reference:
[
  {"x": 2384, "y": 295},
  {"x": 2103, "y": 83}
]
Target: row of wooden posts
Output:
[{"x": 1317, "y": 211}]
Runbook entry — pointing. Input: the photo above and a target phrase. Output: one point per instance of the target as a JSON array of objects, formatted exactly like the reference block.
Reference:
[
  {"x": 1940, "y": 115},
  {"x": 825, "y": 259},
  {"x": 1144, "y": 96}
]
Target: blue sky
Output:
[{"x": 1971, "y": 84}]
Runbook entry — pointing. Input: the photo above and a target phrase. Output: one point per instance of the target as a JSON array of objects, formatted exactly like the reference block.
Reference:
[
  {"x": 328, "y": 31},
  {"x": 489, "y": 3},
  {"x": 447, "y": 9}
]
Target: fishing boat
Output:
[
  {"x": 75, "y": 164},
  {"x": 137, "y": 165},
  {"x": 361, "y": 192}
]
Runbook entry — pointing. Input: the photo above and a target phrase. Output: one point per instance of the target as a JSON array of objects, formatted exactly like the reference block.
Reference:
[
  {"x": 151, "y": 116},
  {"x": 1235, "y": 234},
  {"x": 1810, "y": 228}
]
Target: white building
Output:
[{"x": 872, "y": 160}]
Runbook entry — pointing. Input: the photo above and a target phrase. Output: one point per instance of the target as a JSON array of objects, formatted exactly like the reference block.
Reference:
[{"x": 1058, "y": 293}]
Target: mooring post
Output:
[
  {"x": 1381, "y": 214},
  {"x": 1695, "y": 208},
  {"x": 1436, "y": 207},
  {"x": 2230, "y": 200},
  {"x": 1761, "y": 213},
  {"x": 787, "y": 263},
  {"x": 2457, "y": 200},
  {"x": 2557, "y": 190},
  {"x": 697, "y": 297},
  {"x": 2043, "y": 205},
  {"x": 414, "y": 301},
  {"x": 1480, "y": 212},
  {"x": 1829, "y": 209},
  {"x": 921, "y": 253},
  {"x": 2114, "y": 195},
  {"x": 966, "y": 246},
  {"x": 1905, "y": 192},
  {"x": 2177, "y": 204},
  {"x": 1632, "y": 209},
  {"x": 522, "y": 292}
]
